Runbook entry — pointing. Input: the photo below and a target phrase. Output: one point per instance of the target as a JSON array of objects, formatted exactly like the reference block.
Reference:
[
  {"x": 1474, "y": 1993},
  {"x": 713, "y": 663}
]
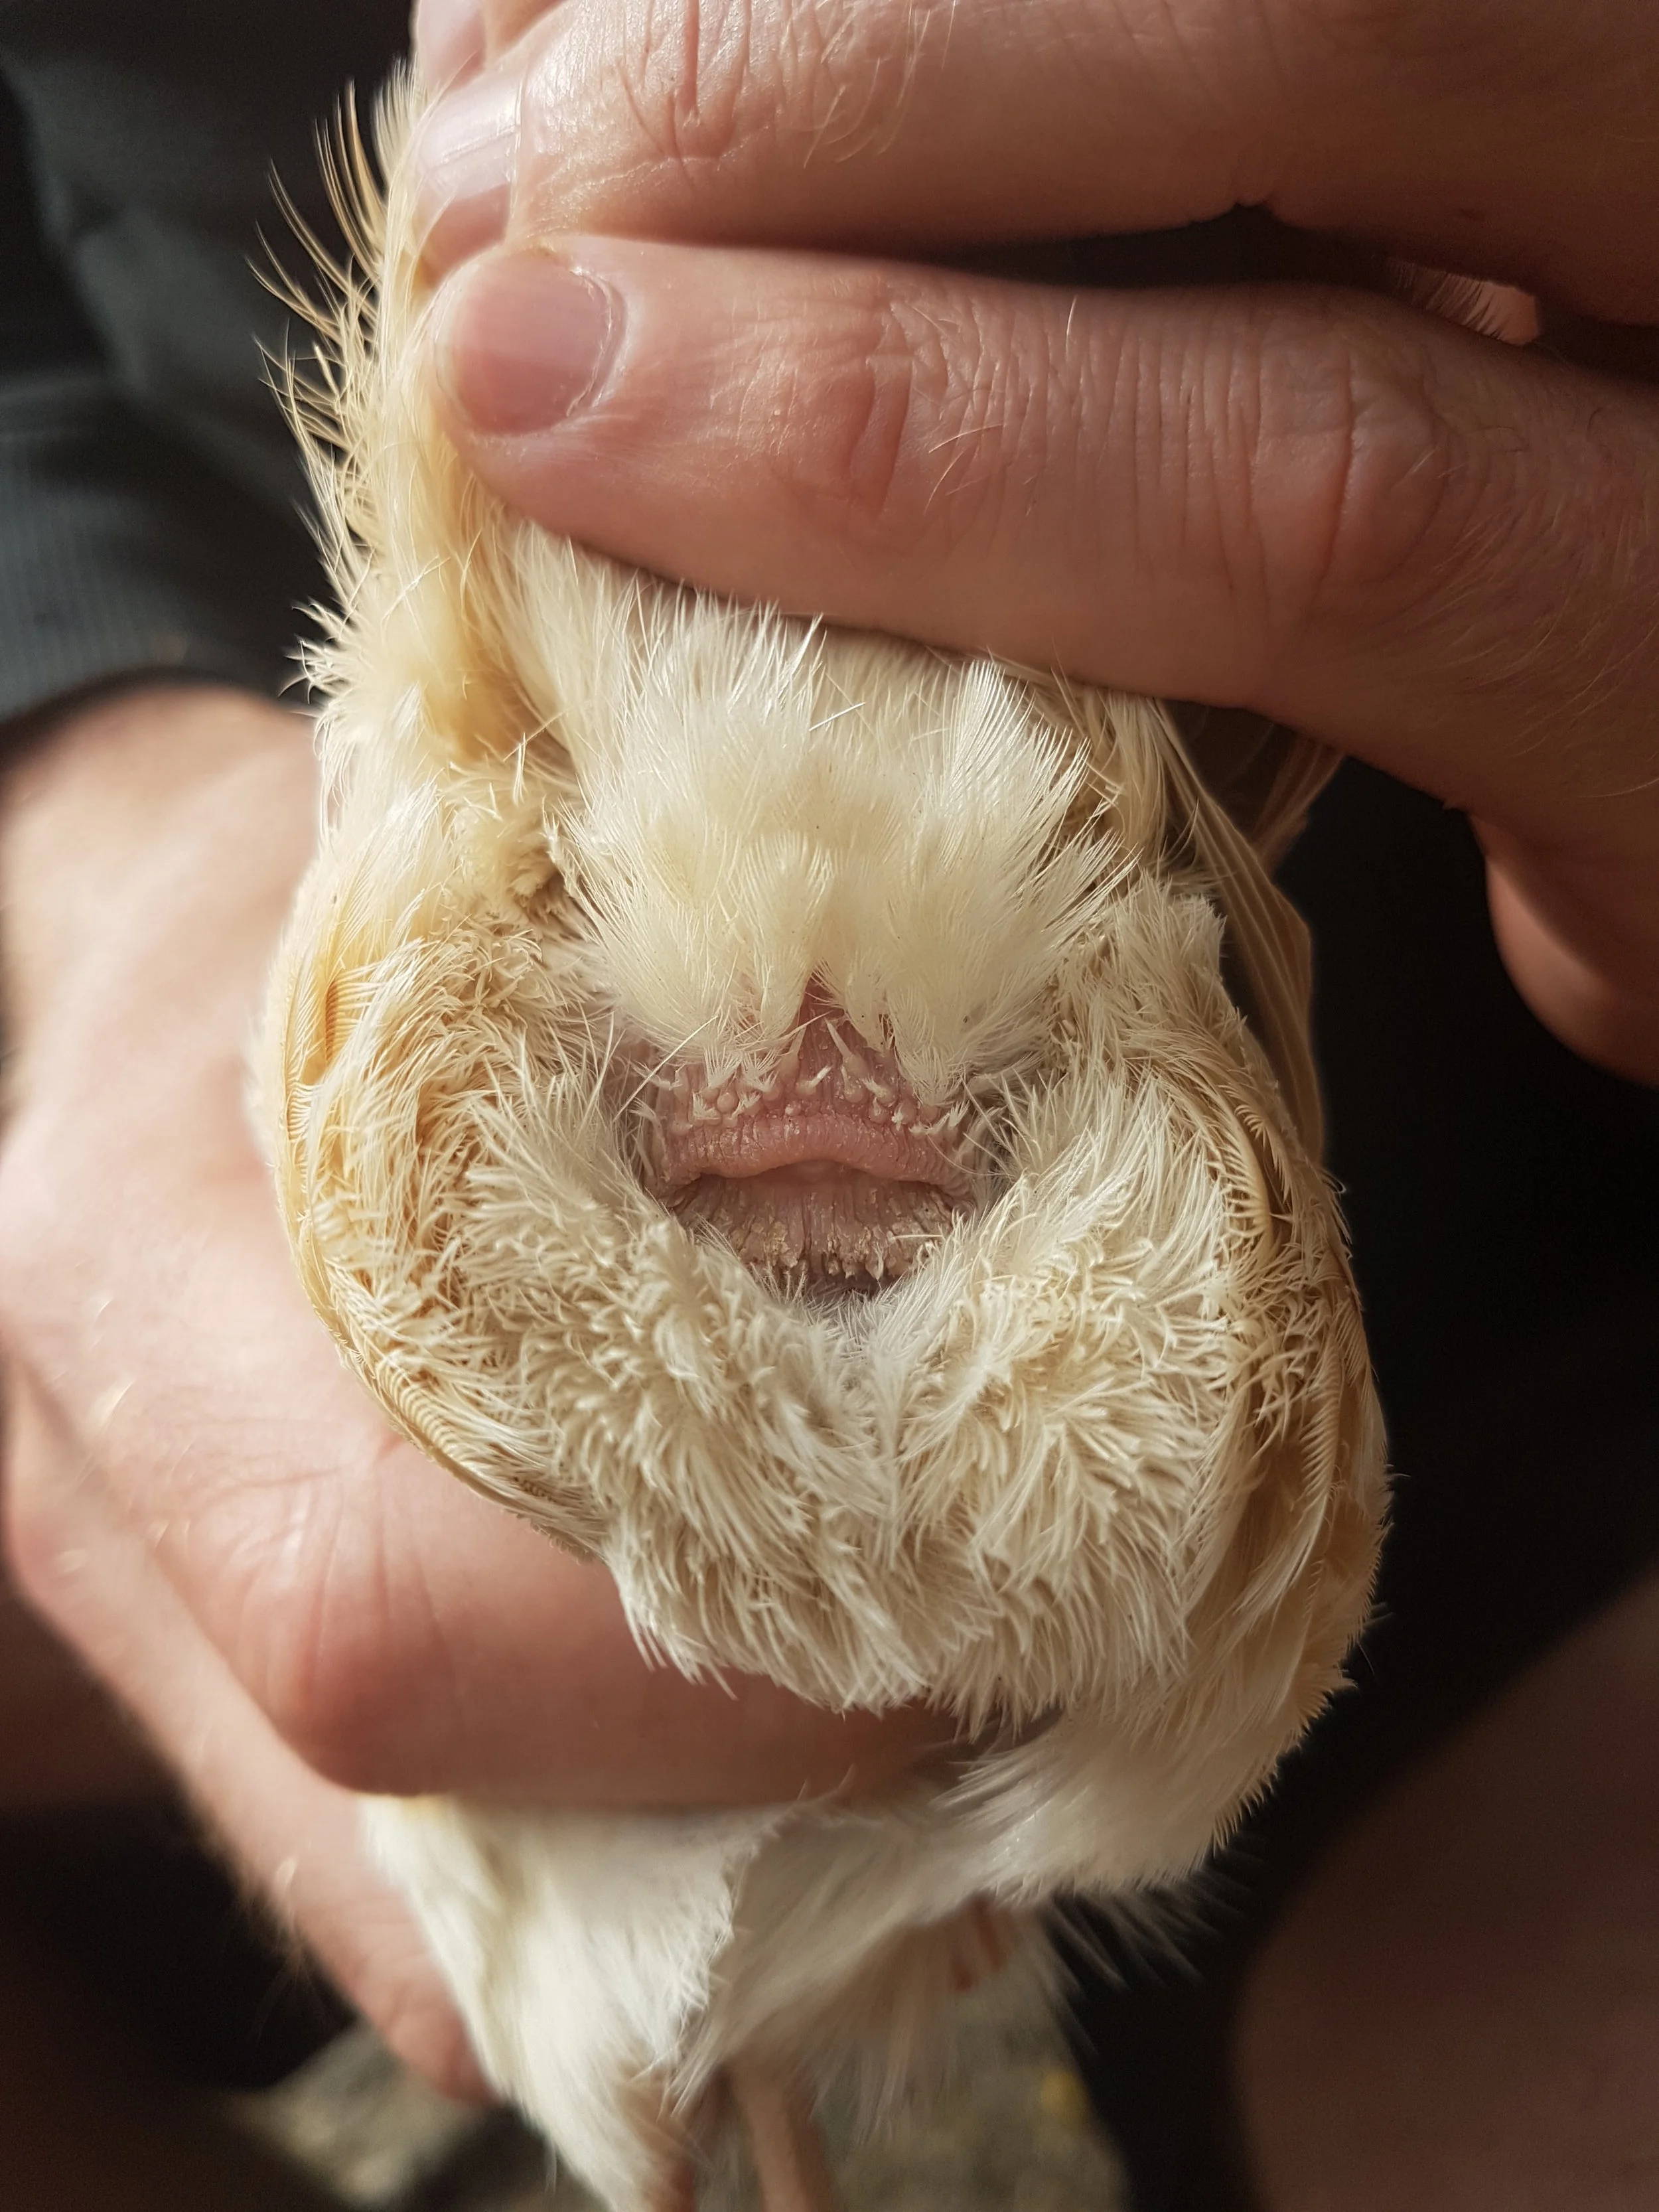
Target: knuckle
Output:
[
  {"x": 703, "y": 83},
  {"x": 324, "y": 1693},
  {"x": 327, "y": 1704},
  {"x": 1357, "y": 483},
  {"x": 682, "y": 74},
  {"x": 838, "y": 75},
  {"x": 904, "y": 422},
  {"x": 329, "y": 1640},
  {"x": 1389, "y": 475}
]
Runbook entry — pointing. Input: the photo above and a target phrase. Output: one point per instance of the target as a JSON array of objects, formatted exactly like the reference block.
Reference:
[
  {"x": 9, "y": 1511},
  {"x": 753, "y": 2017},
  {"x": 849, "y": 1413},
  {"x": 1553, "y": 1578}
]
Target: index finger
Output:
[{"x": 1454, "y": 133}]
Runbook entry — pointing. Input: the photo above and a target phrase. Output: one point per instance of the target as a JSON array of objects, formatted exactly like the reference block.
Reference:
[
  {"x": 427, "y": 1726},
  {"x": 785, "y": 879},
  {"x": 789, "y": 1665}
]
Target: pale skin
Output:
[{"x": 1325, "y": 505}]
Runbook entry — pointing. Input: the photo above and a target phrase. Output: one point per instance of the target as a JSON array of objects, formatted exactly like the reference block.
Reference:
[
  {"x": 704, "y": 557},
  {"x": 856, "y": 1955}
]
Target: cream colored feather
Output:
[{"x": 1069, "y": 1429}]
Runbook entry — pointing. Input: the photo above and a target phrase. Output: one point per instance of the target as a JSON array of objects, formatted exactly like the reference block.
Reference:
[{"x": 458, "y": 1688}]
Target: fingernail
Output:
[
  {"x": 463, "y": 159},
  {"x": 449, "y": 40},
  {"x": 526, "y": 342}
]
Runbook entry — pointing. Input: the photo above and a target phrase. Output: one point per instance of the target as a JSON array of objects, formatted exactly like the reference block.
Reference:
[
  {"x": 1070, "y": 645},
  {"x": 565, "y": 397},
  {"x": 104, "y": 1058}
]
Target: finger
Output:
[
  {"x": 297, "y": 1836},
  {"x": 1575, "y": 933},
  {"x": 472, "y": 133},
  {"x": 1319, "y": 506},
  {"x": 453, "y": 39},
  {"x": 1452, "y": 133}
]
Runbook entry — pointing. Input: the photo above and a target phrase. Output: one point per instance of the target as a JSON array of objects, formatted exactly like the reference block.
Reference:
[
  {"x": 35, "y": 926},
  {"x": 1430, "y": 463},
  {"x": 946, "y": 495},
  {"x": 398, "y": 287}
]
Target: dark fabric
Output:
[
  {"x": 161, "y": 1938},
  {"x": 1504, "y": 1199},
  {"x": 151, "y": 511}
]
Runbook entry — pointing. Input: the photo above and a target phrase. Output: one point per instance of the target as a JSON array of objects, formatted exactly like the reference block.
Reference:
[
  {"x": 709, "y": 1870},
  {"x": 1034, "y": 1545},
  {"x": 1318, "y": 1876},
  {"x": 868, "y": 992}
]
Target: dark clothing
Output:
[
  {"x": 150, "y": 505},
  {"x": 1504, "y": 1198}
]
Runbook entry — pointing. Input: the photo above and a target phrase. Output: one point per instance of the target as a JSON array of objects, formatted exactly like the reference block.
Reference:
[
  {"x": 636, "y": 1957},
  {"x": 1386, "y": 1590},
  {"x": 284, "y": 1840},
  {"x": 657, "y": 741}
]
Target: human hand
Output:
[
  {"x": 294, "y": 1602},
  {"x": 1428, "y": 548}
]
